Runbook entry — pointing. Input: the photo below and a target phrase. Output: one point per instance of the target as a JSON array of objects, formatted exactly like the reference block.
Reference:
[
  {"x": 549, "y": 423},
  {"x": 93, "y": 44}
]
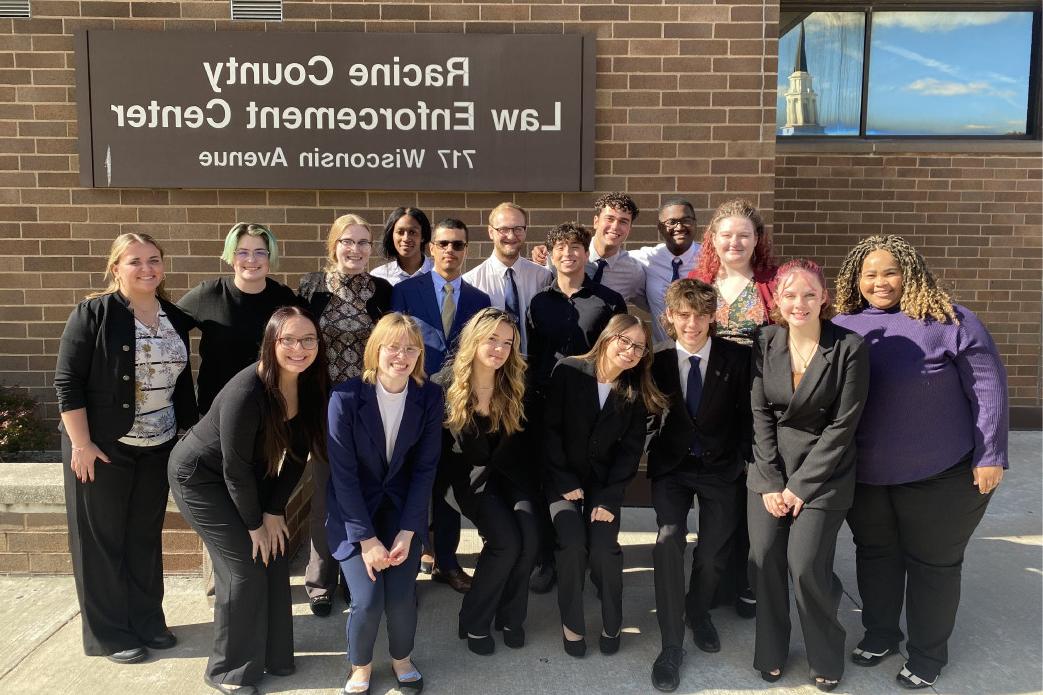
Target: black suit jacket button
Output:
[
  {"x": 126, "y": 405},
  {"x": 126, "y": 378},
  {"x": 126, "y": 348}
]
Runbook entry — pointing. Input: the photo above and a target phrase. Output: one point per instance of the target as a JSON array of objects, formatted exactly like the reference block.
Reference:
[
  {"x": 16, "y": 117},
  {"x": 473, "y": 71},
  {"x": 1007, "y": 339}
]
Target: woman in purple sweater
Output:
[{"x": 935, "y": 376}]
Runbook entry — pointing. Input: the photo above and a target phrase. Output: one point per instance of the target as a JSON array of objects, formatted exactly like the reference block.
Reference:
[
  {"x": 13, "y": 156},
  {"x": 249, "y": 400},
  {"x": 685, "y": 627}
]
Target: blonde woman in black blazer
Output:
[
  {"x": 597, "y": 409},
  {"x": 810, "y": 380}
]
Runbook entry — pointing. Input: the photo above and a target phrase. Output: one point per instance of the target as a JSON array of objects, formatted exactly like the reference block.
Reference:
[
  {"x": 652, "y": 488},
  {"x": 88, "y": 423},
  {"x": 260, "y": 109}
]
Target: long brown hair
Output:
[
  {"x": 636, "y": 381},
  {"x": 116, "y": 251},
  {"x": 506, "y": 405},
  {"x": 312, "y": 393}
]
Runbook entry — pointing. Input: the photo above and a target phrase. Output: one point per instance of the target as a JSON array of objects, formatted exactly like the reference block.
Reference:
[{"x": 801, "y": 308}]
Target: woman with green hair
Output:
[{"x": 232, "y": 311}]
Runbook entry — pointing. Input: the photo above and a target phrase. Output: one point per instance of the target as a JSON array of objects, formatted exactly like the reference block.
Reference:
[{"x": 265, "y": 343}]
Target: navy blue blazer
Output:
[
  {"x": 361, "y": 477},
  {"x": 416, "y": 297}
]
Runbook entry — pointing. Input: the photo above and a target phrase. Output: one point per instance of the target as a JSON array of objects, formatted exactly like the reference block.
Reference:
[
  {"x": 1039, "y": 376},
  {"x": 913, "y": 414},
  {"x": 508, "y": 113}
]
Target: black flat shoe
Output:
[
  {"x": 542, "y": 579},
  {"x": 705, "y": 636},
  {"x": 746, "y": 604},
  {"x": 514, "y": 638},
  {"x": 415, "y": 684},
  {"x": 666, "y": 671},
  {"x": 482, "y": 646},
  {"x": 230, "y": 689},
  {"x": 910, "y": 681},
  {"x": 864, "y": 657},
  {"x": 826, "y": 685},
  {"x": 576, "y": 648},
  {"x": 129, "y": 656},
  {"x": 771, "y": 677},
  {"x": 166, "y": 640},
  {"x": 321, "y": 605},
  {"x": 281, "y": 671},
  {"x": 609, "y": 645}
]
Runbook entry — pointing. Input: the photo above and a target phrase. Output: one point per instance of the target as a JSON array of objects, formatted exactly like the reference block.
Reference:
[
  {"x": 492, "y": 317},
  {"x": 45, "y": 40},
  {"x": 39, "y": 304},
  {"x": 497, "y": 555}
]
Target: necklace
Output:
[{"x": 802, "y": 361}]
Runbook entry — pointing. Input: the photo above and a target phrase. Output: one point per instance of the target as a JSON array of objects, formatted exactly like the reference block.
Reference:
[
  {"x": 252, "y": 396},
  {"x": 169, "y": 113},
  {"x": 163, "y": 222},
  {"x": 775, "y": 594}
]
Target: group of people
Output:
[{"x": 523, "y": 395}]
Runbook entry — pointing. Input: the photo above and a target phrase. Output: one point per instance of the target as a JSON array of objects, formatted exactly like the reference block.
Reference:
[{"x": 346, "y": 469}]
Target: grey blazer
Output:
[{"x": 804, "y": 440}]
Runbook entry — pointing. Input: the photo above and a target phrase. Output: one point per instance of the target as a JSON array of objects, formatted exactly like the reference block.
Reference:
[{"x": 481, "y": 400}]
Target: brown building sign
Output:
[{"x": 336, "y": 111}]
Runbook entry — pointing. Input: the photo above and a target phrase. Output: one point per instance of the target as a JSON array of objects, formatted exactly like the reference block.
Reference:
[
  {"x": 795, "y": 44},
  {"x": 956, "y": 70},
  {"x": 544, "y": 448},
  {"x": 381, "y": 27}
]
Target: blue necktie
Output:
[
  {"x": 602, "y": 263},
  {"x": 510, "y": 297},
  {"x": 693, "y": 395},
  {"x": 676, "y": 263}
]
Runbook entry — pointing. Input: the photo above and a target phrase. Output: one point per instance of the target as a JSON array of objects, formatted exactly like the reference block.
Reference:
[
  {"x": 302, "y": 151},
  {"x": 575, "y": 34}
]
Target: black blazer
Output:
[
  {"x": 723, "y": 424},
  {"x": 95, "y": 368},
  {"x": 805, "y": 440},
  {"x": 597, "y": 449},
  {"x": 316, "y": 295}
]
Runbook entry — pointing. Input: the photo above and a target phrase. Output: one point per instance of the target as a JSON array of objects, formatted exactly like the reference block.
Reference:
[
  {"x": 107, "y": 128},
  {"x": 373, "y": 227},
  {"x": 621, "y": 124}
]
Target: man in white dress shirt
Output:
[
  {"x": 669, "y": 261},
  {"x": 506, "y": 276}
]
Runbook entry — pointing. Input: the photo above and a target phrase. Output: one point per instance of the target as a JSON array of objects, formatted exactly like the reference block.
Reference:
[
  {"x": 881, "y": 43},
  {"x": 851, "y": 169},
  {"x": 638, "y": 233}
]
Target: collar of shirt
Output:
[
  {"x": 684, "y": 364},
  {"x": 441, "y": 282},
  {"x": 611, "y": 260},
  {"x": 584, "y": 289},
  {"x": 659, "y": 255}
]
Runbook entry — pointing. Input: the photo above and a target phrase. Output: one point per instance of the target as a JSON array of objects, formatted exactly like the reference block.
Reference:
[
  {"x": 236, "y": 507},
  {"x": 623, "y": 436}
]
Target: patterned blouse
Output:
[
  {"x": 346, "y": 324},
  {"x": 159, "y": 356},
  {"x": 737, "y": 321}
]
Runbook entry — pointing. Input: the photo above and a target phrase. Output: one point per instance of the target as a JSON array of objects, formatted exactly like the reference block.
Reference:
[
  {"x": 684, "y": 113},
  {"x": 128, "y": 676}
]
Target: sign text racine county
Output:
[{"x": 336, "y": 111}]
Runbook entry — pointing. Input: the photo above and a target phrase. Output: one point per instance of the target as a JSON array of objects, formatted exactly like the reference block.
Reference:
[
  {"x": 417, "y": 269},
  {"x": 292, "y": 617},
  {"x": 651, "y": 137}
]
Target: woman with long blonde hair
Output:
[
  {"x": 124, "y": 391},
  {"x": 596, "y": 421},
  {"x": 483, "y": 462}
]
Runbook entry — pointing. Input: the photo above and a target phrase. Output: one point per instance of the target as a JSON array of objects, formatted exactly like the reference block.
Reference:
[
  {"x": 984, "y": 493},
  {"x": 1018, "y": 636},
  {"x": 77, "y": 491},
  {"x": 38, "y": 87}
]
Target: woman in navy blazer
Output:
[
  {"x": 384, "y": 445},
  {"x": 810, "y": 380}
]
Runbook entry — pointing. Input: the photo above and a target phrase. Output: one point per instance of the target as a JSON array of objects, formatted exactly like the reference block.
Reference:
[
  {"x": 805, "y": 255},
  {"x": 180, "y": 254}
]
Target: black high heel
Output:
[
  {"x": 482, "y": 646},
  {"x": 576, "y": 648},
  {"x": 771, "y": 677}
]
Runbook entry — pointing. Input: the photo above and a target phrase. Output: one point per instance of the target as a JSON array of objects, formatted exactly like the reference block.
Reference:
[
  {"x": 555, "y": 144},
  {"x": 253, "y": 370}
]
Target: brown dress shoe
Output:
[{"x": 457, "y": 579}]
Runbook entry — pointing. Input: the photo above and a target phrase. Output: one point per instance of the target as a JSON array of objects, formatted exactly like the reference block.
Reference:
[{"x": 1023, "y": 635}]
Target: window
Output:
[{"x": 882, "y": 73}]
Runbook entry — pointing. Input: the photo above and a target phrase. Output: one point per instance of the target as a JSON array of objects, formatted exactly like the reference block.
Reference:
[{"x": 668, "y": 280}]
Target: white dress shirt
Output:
[
  {"x": 603, "y": 391},
  {"x": 490, "y": 276},
  {"x": 623, "y": 274},
  {"x": 393, "y": 273},
  {"x": 659, "y": 272},
  {"x": 684, "y": 364}
]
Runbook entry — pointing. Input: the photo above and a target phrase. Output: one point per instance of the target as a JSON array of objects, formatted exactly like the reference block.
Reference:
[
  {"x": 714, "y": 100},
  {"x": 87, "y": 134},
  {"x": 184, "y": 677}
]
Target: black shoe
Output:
[
  {"x": 321, "y": 605},
  {"x": 415, "y": 684},
  {"x": 230, "y": 689},
  {"x": 514, "y": 638},
  {"x": 576, "y": 648},
  {"x": 129, "y": 656},
  {"x": 166, "y": 640},
  {"x": 705, "y": 636},
  {"x": 609, "y": 645},
  {"x": 482, "y": 646},
  {"x": 666, "y": 671},
  {"x": 746, "y": 604},
  {"x": 864, "y": 657},
  {"x": 542, "y": 579},
  {"x": 826, "y": 685},
  {"x": 771, "y": 677},
  {"x": 281, "y": 671},
  {"x": 910, "y": 681},
  {"x": 458, "y": 580}
]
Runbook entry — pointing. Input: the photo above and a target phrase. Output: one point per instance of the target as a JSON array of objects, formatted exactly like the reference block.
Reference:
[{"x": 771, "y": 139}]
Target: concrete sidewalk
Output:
[{"x": 997, "y": 647}]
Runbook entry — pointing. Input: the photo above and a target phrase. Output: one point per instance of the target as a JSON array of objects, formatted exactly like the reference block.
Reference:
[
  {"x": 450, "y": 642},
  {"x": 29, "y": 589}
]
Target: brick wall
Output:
[
  {"x": 976, "y": 218},
  {"x": 685, "y": 104}
]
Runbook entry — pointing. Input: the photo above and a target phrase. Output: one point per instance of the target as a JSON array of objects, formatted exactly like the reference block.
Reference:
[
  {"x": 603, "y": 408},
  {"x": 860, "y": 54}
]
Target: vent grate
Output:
[
  {"x": 258, "y": 10},
  {"x": 14, "y": 8}
]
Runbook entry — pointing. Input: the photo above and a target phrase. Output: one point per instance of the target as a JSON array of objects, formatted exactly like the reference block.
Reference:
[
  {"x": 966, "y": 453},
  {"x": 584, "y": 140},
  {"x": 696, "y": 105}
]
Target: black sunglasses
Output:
[{"x": 444, "y": 244}]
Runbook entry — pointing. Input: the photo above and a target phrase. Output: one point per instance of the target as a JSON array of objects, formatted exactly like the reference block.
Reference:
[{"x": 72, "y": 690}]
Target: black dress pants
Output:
[
  {"x": 506, "y": 519},
  {"x": 802, "y": 548},
  {"x": 322, "y": 574},
  {"x": 253, "y": 625},
  {"x": 115, "y": 539},
  {"x": 672, "y": 499},
  {"x": 583, "y": 543},
  {"x": 735, "y": 580},
  {"x": 909, "y": 544}
]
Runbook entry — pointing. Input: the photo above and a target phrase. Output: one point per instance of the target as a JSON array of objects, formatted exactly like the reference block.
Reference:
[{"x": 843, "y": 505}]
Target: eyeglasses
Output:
[
  {"x": 361, "y": 245},
  {"x": 407, "y": 350},
  {"x": 626, "y": 343},
  {"x": 309, "y": 342},
  {"x": 507, "y": 231},
  {"x": 245, "y": 255},
  {"x": 683, "y": 222},
  {"x": 457, "y": 245}
]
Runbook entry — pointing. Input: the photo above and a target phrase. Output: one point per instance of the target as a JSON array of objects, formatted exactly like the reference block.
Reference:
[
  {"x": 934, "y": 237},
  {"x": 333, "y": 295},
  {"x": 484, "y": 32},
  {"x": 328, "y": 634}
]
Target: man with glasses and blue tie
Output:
[
  {"x": 510, "y": 279},
  {"x": 441, "y": 302}
]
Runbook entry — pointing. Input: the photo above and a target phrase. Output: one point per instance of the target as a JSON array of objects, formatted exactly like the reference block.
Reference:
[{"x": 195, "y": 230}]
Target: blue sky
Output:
[{"x": 959, "y": 73}]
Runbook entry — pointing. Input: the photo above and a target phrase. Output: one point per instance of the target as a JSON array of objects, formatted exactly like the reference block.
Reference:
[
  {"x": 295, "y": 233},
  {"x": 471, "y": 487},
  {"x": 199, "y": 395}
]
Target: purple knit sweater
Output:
[{"x": 937, "y": 392}]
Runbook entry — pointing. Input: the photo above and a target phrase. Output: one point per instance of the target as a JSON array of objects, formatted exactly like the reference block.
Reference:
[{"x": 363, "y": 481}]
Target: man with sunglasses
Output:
[
  {"x": 510, "y": 279},
  {"x": 441, "y": 302}
]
